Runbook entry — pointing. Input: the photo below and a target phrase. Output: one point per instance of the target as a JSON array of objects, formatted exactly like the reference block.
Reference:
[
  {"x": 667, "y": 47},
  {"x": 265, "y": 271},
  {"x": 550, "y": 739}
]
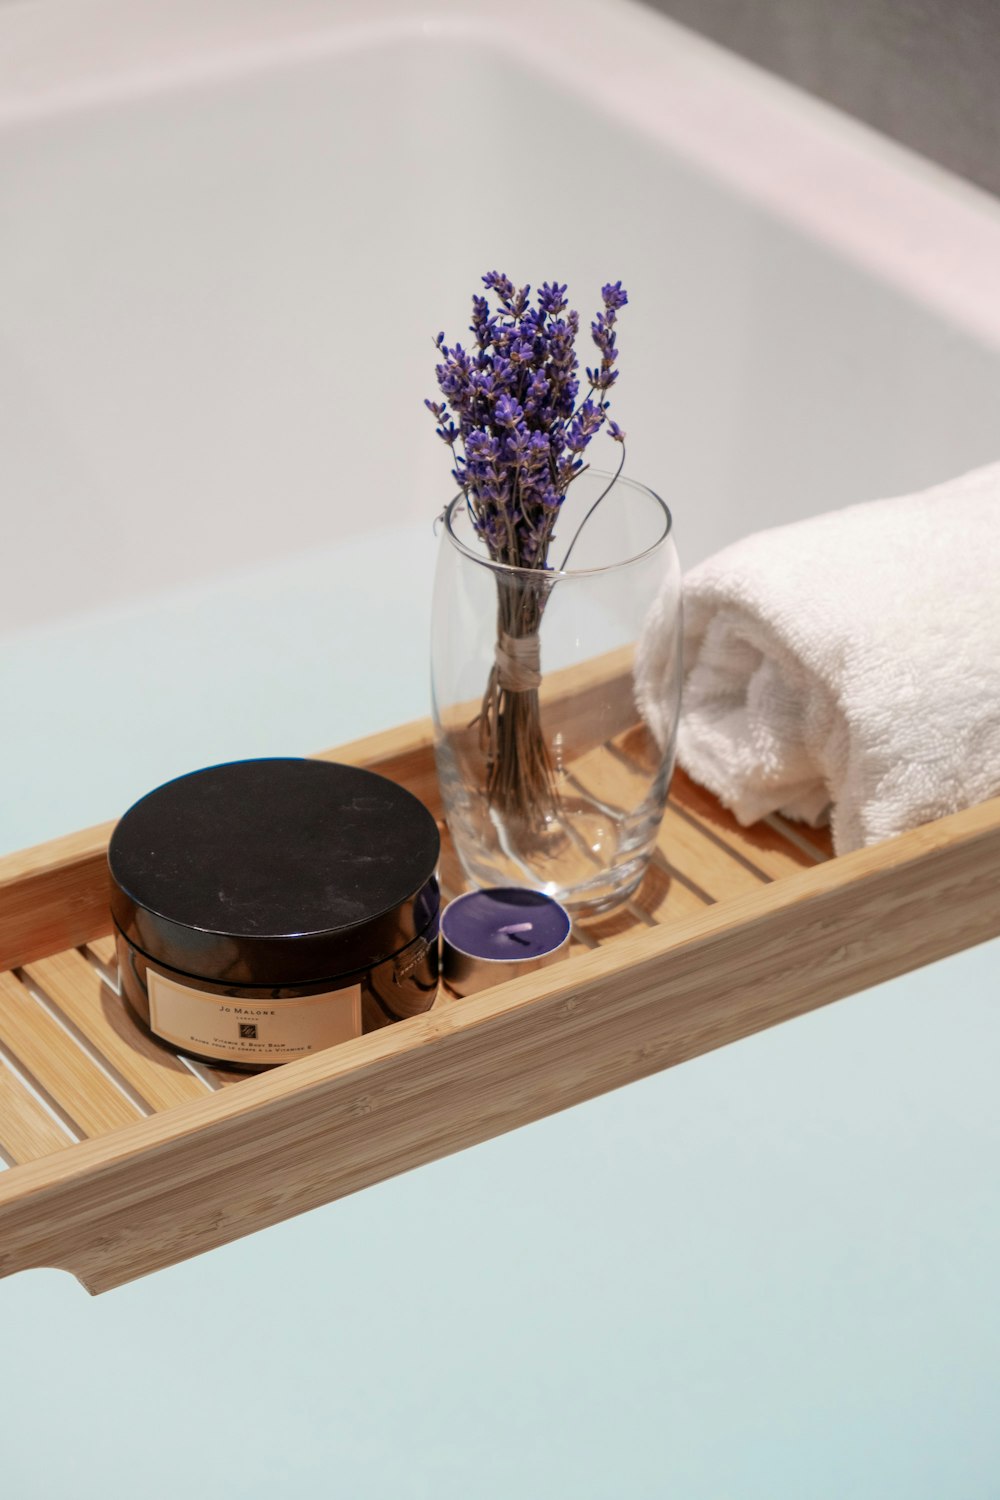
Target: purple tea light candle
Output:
[{"x": 492, "y": 935}]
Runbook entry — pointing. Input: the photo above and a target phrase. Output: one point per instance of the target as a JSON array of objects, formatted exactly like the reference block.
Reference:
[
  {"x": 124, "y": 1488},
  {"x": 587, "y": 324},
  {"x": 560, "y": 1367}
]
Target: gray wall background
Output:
[{"x": 926, "y": 72}]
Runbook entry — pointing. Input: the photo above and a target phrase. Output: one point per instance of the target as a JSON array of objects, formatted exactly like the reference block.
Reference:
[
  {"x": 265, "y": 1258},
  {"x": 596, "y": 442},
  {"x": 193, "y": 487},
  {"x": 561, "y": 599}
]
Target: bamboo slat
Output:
[
  {"x": 706, "y": 865},
  {"x": 91, "y": 1100},
  {"x": 103, "y": 950},
  {"x": 81, "y": 995},
  {"x": 27, "y": 1130},
  {"x": 663, "y": 898},
  {"x": 761, "y": 846}
]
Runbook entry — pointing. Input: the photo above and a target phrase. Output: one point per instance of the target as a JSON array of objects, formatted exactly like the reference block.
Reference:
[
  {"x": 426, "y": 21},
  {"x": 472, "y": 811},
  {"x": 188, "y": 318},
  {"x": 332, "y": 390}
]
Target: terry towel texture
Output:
[{"x": 850, "y": 662}]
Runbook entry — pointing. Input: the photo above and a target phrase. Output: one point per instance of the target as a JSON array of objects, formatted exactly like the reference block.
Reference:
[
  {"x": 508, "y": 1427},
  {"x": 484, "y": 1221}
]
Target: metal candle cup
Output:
[{"x": 492, "y": 935}]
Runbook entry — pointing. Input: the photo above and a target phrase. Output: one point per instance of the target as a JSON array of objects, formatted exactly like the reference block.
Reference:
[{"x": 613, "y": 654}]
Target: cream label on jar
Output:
[{"x": 251, "y": 1031}]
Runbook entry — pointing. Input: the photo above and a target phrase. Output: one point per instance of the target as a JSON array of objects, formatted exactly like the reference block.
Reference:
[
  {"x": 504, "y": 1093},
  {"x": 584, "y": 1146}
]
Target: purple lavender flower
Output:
[
  {"x": 512, "y": 403},
  {"x": 507, "y": 412}
]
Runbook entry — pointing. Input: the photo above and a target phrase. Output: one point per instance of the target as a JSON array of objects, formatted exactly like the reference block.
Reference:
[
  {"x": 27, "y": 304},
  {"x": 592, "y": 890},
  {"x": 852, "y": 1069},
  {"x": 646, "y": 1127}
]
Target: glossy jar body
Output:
[{"x": 402, "y": 985}]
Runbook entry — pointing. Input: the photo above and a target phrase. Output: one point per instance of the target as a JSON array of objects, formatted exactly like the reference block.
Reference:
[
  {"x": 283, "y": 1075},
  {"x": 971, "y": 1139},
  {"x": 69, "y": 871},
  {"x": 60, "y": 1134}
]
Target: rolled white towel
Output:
[{"x": 847, "y": 665}]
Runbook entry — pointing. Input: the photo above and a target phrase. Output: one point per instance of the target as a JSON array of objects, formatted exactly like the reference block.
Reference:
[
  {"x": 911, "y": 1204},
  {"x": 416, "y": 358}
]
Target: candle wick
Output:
[{"x": 512, "y": 931}]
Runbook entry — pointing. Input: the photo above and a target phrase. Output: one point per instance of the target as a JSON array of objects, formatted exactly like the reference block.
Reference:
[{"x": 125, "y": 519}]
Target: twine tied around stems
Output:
[{"x": 519, "y": 662}]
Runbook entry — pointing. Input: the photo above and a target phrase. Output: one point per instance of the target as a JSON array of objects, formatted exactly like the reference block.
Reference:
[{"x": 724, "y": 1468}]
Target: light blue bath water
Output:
[{"x": 770, "y": 1274}]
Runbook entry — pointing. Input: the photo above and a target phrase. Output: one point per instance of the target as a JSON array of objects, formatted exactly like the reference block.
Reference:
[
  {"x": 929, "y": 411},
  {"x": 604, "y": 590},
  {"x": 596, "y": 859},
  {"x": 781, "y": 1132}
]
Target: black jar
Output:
[{"x": 267, "y": 909}]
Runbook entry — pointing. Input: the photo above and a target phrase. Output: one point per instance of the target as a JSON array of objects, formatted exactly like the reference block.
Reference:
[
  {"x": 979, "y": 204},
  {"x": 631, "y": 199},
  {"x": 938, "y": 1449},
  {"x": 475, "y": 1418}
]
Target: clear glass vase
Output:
[{"x": 556, "y": 696}]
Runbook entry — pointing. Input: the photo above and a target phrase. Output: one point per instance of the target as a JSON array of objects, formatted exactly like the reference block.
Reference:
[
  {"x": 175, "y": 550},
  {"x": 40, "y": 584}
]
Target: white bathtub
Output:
[
  {"x": 229, "y": 230},
  {"x": 227, "y": 233}
]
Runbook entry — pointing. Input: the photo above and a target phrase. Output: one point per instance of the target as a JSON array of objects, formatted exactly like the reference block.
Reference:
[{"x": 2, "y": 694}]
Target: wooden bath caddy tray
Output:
[{"x": 125, "y": 1159}]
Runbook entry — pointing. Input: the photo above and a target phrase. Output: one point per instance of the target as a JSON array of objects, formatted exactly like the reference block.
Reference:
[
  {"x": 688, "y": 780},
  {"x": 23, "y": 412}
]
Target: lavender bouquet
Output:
[{"x": 517, "y": 425}]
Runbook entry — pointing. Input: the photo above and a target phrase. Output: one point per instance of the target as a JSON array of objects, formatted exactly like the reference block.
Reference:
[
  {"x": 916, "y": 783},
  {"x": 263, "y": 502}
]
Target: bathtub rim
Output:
[{"x": 903, "y": 219}]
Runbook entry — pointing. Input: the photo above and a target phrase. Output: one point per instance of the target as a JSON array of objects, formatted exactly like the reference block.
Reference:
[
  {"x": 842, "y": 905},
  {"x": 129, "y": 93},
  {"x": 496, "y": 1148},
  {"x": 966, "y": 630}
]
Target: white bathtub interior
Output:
[{"x": 217, "y": 295}]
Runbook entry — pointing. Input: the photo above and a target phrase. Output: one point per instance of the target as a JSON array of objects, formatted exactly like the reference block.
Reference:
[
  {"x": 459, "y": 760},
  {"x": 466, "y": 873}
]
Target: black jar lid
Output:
[{"x": 274, "y": 872}]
